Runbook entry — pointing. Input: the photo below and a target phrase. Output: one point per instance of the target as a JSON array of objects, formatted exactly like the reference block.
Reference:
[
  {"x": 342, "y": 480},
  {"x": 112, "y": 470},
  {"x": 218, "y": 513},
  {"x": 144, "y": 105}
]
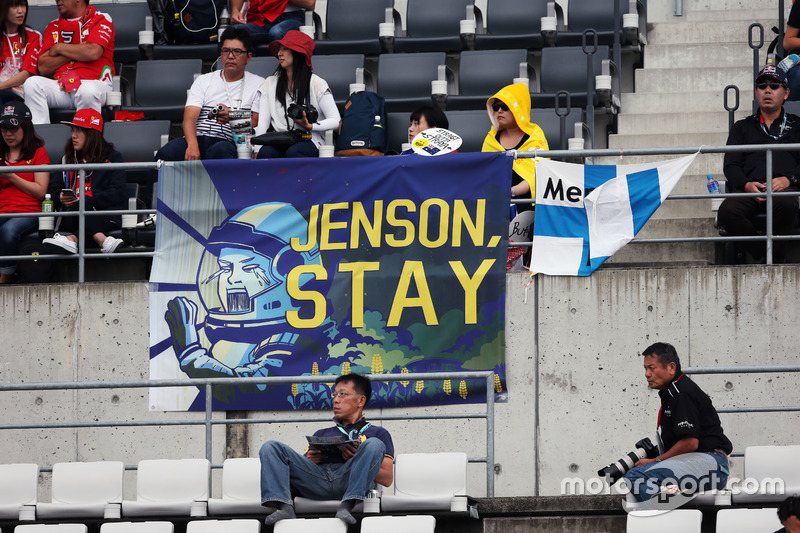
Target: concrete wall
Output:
[{"x": 577, "y": 396}]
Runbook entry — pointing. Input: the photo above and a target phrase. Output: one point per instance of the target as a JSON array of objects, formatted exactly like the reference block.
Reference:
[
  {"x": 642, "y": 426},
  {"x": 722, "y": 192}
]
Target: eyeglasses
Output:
[
  {"x": 497, "y": 106},
  {"x": 236, "y": 52},
  {"x": 772, "y": 85},
  {"x": 342, "y": 394}
]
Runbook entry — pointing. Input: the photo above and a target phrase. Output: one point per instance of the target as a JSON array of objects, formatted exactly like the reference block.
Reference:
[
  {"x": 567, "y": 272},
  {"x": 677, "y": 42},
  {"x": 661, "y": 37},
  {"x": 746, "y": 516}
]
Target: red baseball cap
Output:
[
  {"x": 87, "y": 118},
  {"x": 297, "y": 41}
]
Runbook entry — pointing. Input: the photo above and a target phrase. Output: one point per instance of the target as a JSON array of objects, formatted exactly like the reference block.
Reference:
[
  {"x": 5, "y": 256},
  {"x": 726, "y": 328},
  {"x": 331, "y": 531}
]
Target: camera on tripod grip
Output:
[{"x": 643, "y": 449}]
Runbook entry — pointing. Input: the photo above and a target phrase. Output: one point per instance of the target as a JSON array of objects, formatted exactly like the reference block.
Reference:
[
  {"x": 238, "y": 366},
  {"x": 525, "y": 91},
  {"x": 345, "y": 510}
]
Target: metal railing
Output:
[
  {"x": 769, "y": 235},
  {"x": 760, "y": 369},
  {"x": 206, "y": 385}
]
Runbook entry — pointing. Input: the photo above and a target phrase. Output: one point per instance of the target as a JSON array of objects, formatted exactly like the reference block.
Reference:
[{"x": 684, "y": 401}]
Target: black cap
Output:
[{"x": 14, "y": 113}]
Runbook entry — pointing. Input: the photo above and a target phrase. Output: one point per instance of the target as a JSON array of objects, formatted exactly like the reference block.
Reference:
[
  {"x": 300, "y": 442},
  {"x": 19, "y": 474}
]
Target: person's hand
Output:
[
  {"x": 222, "y": 115},
  {"x": 645, "y": 461},
  {"x": 755, "y": 186},
  {"x": 181, "y": 317},
  {"x": 303, "y": 122},
  {"x": 192, "y": 153},
  {"x": 68, "y": 201},
  {"x": 315, "y": 456},
  {"x": 349, "y": 451},
  {"x": 237, "y": 18},
  {"x": 780, "y": 183}
]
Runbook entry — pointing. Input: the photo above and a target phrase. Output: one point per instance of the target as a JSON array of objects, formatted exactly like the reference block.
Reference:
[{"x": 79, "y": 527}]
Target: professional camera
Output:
[
  {"x": 614, "y": 471},
  {"x": 212, "y": 115},
  {"x": 296, "y": 111}
]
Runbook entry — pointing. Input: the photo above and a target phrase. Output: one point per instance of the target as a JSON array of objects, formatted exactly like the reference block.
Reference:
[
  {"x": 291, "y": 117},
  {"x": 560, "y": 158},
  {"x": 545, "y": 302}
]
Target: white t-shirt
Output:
[
  {"x": 209, "y": 90},
  {"x": 272, "y": 113}
]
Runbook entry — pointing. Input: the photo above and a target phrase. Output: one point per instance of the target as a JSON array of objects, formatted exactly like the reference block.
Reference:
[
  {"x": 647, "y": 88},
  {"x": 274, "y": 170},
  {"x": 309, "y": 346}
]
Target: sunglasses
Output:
[
  {"x": 772, "y": 85},
  {"x": 497, "y": 106}
]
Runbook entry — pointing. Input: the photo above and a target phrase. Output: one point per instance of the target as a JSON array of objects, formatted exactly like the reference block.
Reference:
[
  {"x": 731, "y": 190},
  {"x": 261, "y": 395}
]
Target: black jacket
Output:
[
  {"x": 752, "y": 166},
  {"x": 108, "y": 187}
]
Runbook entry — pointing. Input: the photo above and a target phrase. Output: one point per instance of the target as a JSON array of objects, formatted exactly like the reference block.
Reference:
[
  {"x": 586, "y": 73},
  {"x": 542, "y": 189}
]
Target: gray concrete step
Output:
[
  {"x": 666, "y": 102},
  {"x": 676, "y": 79},
  {"x": 702, "y": 253},
  {"x": 766, "y": 15},
  {"x": 710, "y": 32},
  {"x": 697, "y": 55},
  {"x": 703, "y": 165},
  {"x": 644, "y": 123},
  {"x": 665, "y": 140}
]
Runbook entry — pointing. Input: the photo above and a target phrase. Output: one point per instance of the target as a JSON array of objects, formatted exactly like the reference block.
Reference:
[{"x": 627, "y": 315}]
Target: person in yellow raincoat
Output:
[{"x": 510, "y": 110}]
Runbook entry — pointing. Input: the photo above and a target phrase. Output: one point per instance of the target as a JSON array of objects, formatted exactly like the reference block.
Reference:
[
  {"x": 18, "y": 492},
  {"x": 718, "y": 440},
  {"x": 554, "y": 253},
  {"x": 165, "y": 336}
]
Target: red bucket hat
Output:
[
  {"x": 87, "y": 118},
  {"x": 297, "y": 41}
]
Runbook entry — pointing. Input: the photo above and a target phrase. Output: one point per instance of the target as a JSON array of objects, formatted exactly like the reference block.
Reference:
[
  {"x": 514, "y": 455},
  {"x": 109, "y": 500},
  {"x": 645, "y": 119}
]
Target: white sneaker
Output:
[
  {"x": 62, "y": 242},
  {"x": 110, "y": 245}
]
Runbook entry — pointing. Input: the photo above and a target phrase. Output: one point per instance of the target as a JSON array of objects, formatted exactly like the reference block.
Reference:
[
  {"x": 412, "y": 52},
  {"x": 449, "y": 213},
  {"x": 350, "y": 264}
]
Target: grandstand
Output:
[{"x": 576, "y": 397}]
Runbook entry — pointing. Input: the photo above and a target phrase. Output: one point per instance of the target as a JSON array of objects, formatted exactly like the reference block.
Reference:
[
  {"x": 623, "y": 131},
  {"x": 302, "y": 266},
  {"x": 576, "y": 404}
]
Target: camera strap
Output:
[{"x": 357, "y": 430}]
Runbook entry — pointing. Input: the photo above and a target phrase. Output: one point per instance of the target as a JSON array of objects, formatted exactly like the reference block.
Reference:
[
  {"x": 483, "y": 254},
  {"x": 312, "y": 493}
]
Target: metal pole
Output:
[
  {"x": 81, "y": 225},
  {"x": 769, "y": 207},
  {"x": 490, "y": 435}
]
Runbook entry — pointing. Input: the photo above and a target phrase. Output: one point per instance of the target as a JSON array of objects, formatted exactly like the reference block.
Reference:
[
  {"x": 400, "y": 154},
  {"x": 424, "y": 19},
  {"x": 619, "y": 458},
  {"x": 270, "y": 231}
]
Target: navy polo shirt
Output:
[
  {"x": 371, "y": 431},
  {"x": 687, "y": 411}
]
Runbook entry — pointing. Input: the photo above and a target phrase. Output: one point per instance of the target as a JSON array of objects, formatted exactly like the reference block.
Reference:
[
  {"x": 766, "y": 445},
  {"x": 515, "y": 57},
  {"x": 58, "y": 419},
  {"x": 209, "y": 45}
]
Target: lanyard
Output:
[
  {"x": 241, "y": 90},
  {"x": 764, "y": 126},
  {"x": 355, "y": 432},
  {"x": 11, "y": 48}
]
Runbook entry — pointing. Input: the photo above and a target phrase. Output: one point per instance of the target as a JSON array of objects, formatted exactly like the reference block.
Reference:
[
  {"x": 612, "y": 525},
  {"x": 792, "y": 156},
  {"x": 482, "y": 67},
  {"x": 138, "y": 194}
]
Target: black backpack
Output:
[
  {"x": 363, "y": 127},
  {"x": 188, "y": 21}
]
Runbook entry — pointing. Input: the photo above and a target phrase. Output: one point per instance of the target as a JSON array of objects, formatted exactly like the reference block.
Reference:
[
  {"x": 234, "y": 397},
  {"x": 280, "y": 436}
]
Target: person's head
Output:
[
  {"x": 86, "y": 142},
  {"x": 17, "y": 131},
  {"x": 351, "y": 393},
  {"x": 771, "y": 89},
  {"x": 424, "y": 118},
  {"x": 235, "y": 50},
  {"x": 14, "y": 14},
  {"x": 789, "y": 514},
  {"x": 504, "y": 117},
  {"x": 71, "y": 9},
  {"x": 661, "y": 365},
  {"x": 294, "y": 53}
]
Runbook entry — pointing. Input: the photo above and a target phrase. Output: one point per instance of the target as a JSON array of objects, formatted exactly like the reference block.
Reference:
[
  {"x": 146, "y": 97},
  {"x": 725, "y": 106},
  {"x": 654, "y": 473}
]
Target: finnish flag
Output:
[{"x": 585, "y": 213}]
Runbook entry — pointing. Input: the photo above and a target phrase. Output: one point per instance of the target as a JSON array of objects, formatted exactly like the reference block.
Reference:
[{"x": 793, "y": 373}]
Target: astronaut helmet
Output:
[{"x": 242, "y": 274}]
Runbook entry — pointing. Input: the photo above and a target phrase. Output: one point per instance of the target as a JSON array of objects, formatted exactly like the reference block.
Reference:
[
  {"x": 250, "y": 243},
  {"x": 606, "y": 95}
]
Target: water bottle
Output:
[
  {"x": 713, "y": 185},
  {"x": 376, "y": 123},
  {"x": 46, "y": 223}
]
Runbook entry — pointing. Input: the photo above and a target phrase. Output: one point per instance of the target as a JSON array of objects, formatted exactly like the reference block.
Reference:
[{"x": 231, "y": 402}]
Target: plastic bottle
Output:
[
  {"x": 376, "y": 123},
  {"x": 46, "y": 223},
  {"x": 713, "y": 185}
]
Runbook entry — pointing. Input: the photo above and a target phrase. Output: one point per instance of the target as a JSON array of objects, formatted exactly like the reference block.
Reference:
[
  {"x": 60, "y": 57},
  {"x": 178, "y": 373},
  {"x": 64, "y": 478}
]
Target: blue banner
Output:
[{"x": 328, "y": 266}]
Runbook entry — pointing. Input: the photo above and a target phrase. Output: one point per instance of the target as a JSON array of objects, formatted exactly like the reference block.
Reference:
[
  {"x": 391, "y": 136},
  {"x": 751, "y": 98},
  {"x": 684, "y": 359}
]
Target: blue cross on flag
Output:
[{"x": 585, "y": 213}]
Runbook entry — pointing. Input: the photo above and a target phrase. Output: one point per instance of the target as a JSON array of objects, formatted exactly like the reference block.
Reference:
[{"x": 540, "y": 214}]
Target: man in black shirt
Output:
[
  {"x": 747, "y": 171},
  {"x": 695, "y": 451},
  {"x": 789, "y": 515}
]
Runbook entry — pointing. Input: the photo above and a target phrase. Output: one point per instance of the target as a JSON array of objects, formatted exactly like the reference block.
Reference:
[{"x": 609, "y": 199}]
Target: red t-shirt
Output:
[
  {"x": 12, "y": 199},
  {"x": 12, "y": 48},
  {"x": 93, "y": 27},
  {"x": 260, "y": 10}
]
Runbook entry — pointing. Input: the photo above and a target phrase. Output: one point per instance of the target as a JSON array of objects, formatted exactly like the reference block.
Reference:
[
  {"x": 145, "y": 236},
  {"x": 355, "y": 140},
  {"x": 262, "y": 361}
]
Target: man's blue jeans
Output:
[
  {"x": 273, "y": 31},
  {"x": 12, "y": 230},
  {"x": 693, "y": 472},
  {"x": 285, "y": 473}
]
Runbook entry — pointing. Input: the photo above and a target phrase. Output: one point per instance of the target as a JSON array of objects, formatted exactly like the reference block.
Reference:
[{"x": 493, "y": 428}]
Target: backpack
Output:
[
  {"x": 192, "y": 21},
  {"x": 363, "y": 127}
]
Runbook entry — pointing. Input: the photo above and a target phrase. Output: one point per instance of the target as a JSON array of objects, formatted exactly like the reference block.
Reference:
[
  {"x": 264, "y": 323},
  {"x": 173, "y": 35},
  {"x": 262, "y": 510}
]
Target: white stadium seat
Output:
[
  {"x": 170, "y": 487},
  {"x": 748, "y": 521},
  {"x": 83, "y": 490},
  {"x": 428, "y": 482},
  {"x": 241, "y": 488},
  {"x": 224, "y": 526},
  {"x": 137, "y": 527},
  {"x": 763, "y": 467},
  {"x": 51, "y": 528},
  {"x": 310, "y": 525},
  {"x": 683, "y": 520},
  {"x": 18, "y": 485},
  {"x": 398, "y": 524}
]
